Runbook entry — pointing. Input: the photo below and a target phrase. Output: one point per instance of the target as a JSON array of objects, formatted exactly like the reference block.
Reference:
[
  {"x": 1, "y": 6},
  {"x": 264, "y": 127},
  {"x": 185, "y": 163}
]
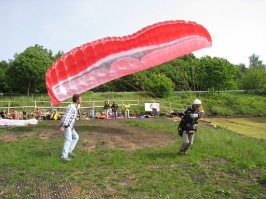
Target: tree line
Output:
[{"x": 25, "y": 74}]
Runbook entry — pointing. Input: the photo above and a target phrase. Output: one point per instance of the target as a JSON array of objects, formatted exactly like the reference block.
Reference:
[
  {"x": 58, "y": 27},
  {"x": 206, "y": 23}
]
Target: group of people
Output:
[
  {"x": 36, "y": 114},
  {"x": 186, "y": 128},
  {"x": 114, "y": 110},
  {"x": 13, "y": 115}
]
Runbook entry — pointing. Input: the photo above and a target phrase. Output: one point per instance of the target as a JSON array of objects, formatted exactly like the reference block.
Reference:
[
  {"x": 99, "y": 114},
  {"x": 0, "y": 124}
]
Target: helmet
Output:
[{"x": 196, "y": 101}]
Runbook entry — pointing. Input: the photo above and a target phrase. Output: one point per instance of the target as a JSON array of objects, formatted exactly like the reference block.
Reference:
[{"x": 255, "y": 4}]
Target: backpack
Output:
[
  {"x": 181, "y": 128},
  {"x": 54, "y": 116}
]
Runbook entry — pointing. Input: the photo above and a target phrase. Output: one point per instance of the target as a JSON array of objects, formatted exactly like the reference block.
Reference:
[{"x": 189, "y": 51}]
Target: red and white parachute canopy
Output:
[{"x": 103, "y": 60}]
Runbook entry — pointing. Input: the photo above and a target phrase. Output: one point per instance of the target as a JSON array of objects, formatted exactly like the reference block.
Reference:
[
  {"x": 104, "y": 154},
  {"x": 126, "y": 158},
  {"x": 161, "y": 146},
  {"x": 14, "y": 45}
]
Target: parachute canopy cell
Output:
[{"x": 103, "y": 60}]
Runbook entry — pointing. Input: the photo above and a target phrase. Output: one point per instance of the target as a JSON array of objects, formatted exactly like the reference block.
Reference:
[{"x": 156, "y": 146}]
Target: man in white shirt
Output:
[{"x": 154, "y": 108}]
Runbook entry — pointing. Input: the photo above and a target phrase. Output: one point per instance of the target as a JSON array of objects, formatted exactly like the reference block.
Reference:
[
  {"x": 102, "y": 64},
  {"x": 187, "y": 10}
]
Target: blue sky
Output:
[{"x": 237, "y": 27}]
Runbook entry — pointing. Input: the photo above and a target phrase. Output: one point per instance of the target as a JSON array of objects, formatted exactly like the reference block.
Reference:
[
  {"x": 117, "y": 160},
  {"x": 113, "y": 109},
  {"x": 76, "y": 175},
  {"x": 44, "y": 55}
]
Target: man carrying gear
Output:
[{"x": 188, "y": 124}]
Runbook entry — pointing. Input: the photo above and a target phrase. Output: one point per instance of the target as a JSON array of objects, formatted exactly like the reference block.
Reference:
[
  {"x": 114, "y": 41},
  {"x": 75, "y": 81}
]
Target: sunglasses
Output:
[{"x": 197, "y": 106}]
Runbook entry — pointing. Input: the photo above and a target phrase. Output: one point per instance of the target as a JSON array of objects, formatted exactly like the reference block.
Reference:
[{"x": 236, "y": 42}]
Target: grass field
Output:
[
  {"x": 226, "y": 103},
  {"x": 220, "y": 163},
  {"x": 252, "y": 127}
]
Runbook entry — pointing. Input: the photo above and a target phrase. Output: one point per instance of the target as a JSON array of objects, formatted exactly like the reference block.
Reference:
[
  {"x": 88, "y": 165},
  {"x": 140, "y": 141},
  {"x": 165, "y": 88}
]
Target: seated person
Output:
[
  {"x": 53, "y": 114},
  {"x": 25, "y": 114},
  {"x": 52, "y": 110},
  {"x": 37, "y": 114},
  {"x": 14, "y": 114},
  {"x": 3, "y": 114}
]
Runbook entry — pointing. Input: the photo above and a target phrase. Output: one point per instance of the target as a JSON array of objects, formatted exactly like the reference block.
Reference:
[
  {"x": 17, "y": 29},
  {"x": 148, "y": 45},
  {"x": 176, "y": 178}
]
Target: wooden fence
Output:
[{"x": 84, "y": 107}]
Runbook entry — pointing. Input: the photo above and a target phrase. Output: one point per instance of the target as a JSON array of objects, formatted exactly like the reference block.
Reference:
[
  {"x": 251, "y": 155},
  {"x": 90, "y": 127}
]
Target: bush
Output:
[{"x": 160, "y": 85}]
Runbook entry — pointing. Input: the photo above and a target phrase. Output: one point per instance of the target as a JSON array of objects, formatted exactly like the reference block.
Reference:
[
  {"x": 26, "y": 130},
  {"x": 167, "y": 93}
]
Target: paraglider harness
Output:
[{"x": 189, "y": 121}]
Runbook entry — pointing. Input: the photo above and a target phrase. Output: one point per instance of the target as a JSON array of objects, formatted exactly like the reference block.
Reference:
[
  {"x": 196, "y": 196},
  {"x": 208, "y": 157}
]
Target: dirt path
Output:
[{"x": 106, "y": 133}]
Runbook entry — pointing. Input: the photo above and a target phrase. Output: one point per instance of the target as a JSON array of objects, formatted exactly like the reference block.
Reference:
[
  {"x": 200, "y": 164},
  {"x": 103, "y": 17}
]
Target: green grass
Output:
[
  {"x": 220, "y": 164},
  {"x": 213, "y": 103},
  {"x": 249, "y": 126}
]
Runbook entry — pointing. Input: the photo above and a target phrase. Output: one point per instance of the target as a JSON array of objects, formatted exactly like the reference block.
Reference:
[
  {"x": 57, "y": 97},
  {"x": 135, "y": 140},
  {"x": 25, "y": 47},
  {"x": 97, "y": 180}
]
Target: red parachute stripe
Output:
[{"x": 103, "y": 60}]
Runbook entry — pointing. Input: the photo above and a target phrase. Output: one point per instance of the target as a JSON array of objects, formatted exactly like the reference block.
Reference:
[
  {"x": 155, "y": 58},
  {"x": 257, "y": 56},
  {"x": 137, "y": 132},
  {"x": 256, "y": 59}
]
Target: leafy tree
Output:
[
  {"x": 2, "y": 75},
  {"x": 254, "y": 79},
  {"x": 171, "y": 71},
  {"x": 57, "y": 55},
  {"x": 160, "y": 85},
  {"x": 241, "y": 71},
  {"x": 254, "y": 61},
  {"x": 132, "y": 82},
  {"x": 27, "y": 72},
  {"x": 102, "y": 88},
  {"x": 3, "y": 64},
  {"x": 242, "y": 68},
  {"x": 3, "y": 68},
  {"x": 180, "y": 72},
  {"x": 217, "y": 73}
]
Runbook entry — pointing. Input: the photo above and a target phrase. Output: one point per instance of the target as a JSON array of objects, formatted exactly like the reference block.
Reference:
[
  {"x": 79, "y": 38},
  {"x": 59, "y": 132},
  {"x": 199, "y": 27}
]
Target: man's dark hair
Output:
[{"x": 75, "y": 97}]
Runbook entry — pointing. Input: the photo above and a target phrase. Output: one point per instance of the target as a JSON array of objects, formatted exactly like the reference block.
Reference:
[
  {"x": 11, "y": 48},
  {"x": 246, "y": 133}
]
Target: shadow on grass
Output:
[{"x": 162, "y": 155}]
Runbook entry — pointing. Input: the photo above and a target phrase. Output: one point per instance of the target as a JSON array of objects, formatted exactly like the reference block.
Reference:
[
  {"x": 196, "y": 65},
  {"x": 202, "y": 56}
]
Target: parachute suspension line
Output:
[
  {"x": 199, "y": 89},
  {"x": 111, "y": 88},
  {"x": 196, "y": 79},
  {"x": 194, "y": 75},
  {"x": 202, "y": 74},
  {"x": 178, "y": 87},
  {"x": 192, "y": 95},
  {"x": 161, "y": 72},
  {"x": 133, "y": 87},
  {"x": 163, "y": 108},
  {"x": 145, "y": 85},
  {"x": 130, "y": 84}
]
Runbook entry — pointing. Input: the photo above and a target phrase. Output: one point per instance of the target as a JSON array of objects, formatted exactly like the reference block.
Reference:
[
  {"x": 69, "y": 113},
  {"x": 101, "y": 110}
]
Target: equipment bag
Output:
[
  {"x": 180, "y": 129},
  {"x": 54, "y": 116}
]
